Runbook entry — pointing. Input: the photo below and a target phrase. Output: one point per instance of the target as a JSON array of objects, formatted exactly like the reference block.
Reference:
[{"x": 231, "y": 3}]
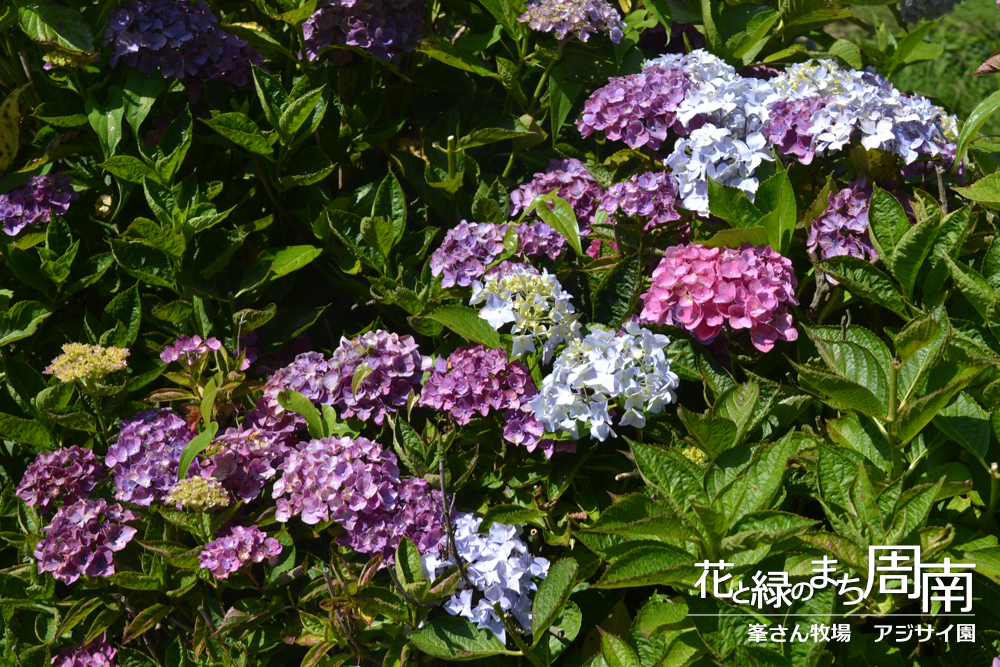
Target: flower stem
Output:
[{"x": 991, "y": 507}]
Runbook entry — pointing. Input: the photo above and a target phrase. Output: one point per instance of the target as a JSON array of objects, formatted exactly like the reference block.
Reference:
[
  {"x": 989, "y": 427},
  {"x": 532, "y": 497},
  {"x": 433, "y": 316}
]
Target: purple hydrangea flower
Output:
[
  {"x": 68, "y": 474},
  {"x": 307, "y": 375},
  {"x": 36, "y": 202},
  {"x": 573, "y": 18},
  {"x": 842, "y": 228},
  {"x": 467, "y": 249},
  {"x": 336, "y": 478},
  {"x": 144, "y": 459},
  {"x": 384, "y": 28},
  {"x": 189, "y": 350},
  {"x": 789, "y": 124},
  {"x": 416, "y": 515},
  {"x": 82, "y": 539},
  {"x": 637, "y": 109},
  {"x": 651, "y": 196},
  {"x": 537, "y": 240},
  {"x": 180, "y": 39},
  {"x": 522, "y": 429},
  {"x": 507, "y": 267},
  {"x": 571, "y": 181},
  {"x": 247, "y": 456},
  {"x": 97, "y": 653},
  {"x": 242, "y": 547}
]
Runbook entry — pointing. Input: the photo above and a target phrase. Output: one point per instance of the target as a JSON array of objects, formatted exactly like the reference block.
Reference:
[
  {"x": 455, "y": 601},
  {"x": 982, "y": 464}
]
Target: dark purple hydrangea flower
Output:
[
  {"x": 788, "y": 127},
  {"x": 393, "y": 369},
  {"x": 247, "y": 456},
  {"x": 467, "y": 249},
  {"x": 384, "y": 28},
  {"x": 66, "y": 475},
  {"x": 521, "y": 428},
  {"x": 242, "y": 547},
  {"x": 97, "y": 653},
  {"x": 36, "y": 202},
  {"x": 336, "y": 478},
  {"x": 82, "y": 539},
  {"x": 651, "y": 196},
  {"x": 145, "y": 457},
  {"x": 180, "y": 39},
  {"x": 537, "y": 240},
  {"x": 189, "y": 350},
  {"x": 571, "y": 181},
  {"x": 416, "y": 515},
  {"x": 637, "y": 109},
  {"x": 573, "y": 18},
  {"x": 842, "y": 229},
  {"x": 308, "y": 375}
]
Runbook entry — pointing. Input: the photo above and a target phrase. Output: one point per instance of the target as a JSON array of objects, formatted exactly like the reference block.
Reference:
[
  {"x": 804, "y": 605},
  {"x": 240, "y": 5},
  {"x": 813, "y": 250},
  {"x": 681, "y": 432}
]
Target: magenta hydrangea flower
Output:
[
  {"x": 467, "y": 249},
  {"x": 68, "y": 474},
  {"x": 789, "y": 125},
  {"x": 145, "y": 457},
  {"x": 189, "y": 350},
  {"x": 97, "y": 653},
  {"x": 704, "y": 289},
  {"x": 240, "y": 548},
  {"x": 336, "y": 478},
  {"x": 385, "y": 29},
  {"x": 36, "y": 202},
  {"x": 637, "y": 109},
  {"x": 574, "y": 18},
  {"x": 842, "y": 228},
  {"x": 651, "y": 196},
  {"x": 417, "y": 515},
  {"x": 82, "y": 539},
  {"x": 393, "y": 368},
  {"x": 571, "y": 181}
]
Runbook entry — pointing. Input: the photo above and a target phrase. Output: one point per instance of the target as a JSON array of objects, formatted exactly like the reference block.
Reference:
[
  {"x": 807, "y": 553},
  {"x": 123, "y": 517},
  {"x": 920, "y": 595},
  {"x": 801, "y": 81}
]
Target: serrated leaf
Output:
[
  {"x": 865, "y": 281},
  {"x": 731, "y": 204},
  {"x": 974, "y": 287},
  {"x": 616, "y": 652},
  {"x": 558, "y": 214},
  {"x": 53, "y": 25},
  {"x": 298, "y": 112},
  {"x": 617, "y": 293},
  {"x": 715, "y": 434},
  {"x": 128, "y": 168},
  {"x": 466, "y": 322},
  {"x": 10, "y": 128},
  {"x": 841, "y": 389},
  {"x": 648, "y": 565},
  {"x": 453, "y": 638},
  {"x": 911, "y": 251},
  {"x": 241, "y": 130},
  {"x": 551, "y": 596},
  {"x": 914, "y": 416},
  {"x": 887, "y": 223},
  {"x": 310, "y": 165},
  {"x": 967, "y": 424},
  {"x": 145, "y": 620}
]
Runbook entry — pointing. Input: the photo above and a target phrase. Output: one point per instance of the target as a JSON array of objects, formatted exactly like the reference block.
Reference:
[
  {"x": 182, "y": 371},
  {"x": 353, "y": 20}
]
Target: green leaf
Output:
[
  {"x": 973, "y": 286},
  {"x": 668, "y": 472},
  {"x": 145, "y": 620},
  {"x": 914, "y": 416},
  {"x": 298, "y": 403},
  {"x": 639, "y": 516},
  {"x": 915, "y": 336},
  {"x": 853, "y": 362},
  {"x": 738, "y": 405},
  {"x": 273, "y": 97},
  {"x": 734, "y": 238},
  {"x": 661, "y": 11},
  {"x": 379, "y": 234},
  {"x": 454, "y": 638},
  {"x": 911, "y": 251},
  {"x": 140, "y": 93},
  {"x": 865, "y": 281},
  {"x": 731, "y": 204},
  {"x": 407, "y": 564},
  {"x": 841, "y": 389},
  {"x": 126, "y": 308},
  {"x": 134, "y": 581},
  {"x": 887, "y": 223},
  {"x": 293, "y": 258},
  {"x": 863, "y": 437},
  {"x": 53, "y": 25},
  {"x": 298, "y": 112},
  {"x": 207, "y": 405},
  {"x": 563, "y": 93},
  {"x": 952, "y": 233},
  {"x": 616, "y": 652},
  {"x": 242, "y": 131},
  {"x": 776, "y": 193},
  {"x": 967, "y": 424},
  {"x": 25, "y": 431},
  {"x": 10, "y": 128},
  {"x": 195, "y": 447},
  {"x": 390, "y": 204},
  {"x": 107, "y": 120},
  {"x": 466, "y": 322},
  {"x": 985, "y": 191},
  {"x": 360, "y": 373},
  {"x": 648, "y": 565},
  {"x": 972, "y": 125},
  {"x": 499, "y": 129},
  {"x": 617, "y": 293},
  {"x": 441, "y": 49},
  {"x": 558, "y": 214},
  {"x": 144, "y": 262},
  {"x": 21, "y": 321},
  {"x": 714, "y": 434},
  {"x": 507, "y": 514},
  {"x": 551, "y": 596},
  {"x": 128, "y": 168}
]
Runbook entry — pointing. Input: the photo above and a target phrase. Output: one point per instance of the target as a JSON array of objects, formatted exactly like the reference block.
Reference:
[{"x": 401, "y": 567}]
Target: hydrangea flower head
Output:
[
  {"x": 87, "y": 362},
  {"x": 36, "y": 202},
  {"x": 534, "y": 304},
  {"x": 310, "y": 374},
  {"x": 651, "y": 196},
  {"x": 197, "y": 493},
  {"x": 385, "y": 29},
  {"x": 915, "y": 11},
  {"x": 68, "y": 474},
  {"x": 790, "y": 125},
  {"x": 246, "y": 456},
  {"x": 537, "y": 240},
  {"x": 417, "y": 515},
  {"x": 703, "y": 289},
  {"x": 82, "y": 539},
  {"x": 574, "y": 18},
  {"x": 474, "y": 380},
  {"x": 569, "y": 180},
  {"x": 97, "y": 653},
  {"x": 467, "y": 249},
  {"x": 242, "y": 547},
  {"x": 145, "y": 457},
  {"x": 842, "y": 228},
  {"x": 189, "y": 350}
]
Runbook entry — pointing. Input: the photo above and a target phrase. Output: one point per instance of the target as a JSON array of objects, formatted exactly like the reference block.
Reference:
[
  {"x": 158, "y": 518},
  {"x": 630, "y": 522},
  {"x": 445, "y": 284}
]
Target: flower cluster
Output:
[
  {"x": 702, "y": 289},
  {"x": 242, "y": 547},
  {"x": 180, "y": 39},
  {"x": 145, "y": 457},
  {"x": 842, "y": 228},
  {"x": 569, "y": 180},
  {"x": 537, "y": 240},
  {"x": 82, "y": 539},
  {"x": 650, "y": 196},
  {"x": 536, "y": 305},
  {"x": 308, "y": 374},
  {"x": 467, "y": 249},
  {"x": 788, "y": 129},
  {"x": 246, "y": 456},
  {"x": 573, "y": 18},
  {"x": 500, "y": 568},
  {"x": 416, "y": 515},
  {"x": 915, "y": 11},
  {"x": 36, "y": 202},
  {"x": 189, "y": 350},
  {"x": 384, "y": 28},
  {"x": 391, "y": 366},
  {"x": 197, "y": 493},
  {"x": 87, "y": 362},
  {"x": 68, "y": 474},
  {"x": 97, "y": 653},
  {"x": 629, "y": 366}
]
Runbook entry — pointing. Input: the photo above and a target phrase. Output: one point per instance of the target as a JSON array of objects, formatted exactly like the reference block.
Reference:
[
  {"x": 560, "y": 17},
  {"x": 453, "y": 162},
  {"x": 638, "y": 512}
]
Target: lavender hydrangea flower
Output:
[
  {"x": 508, "y": 268},
  {"x": 97, "y": 653},
  {"x": 569, "y": 180},
  {"x": 651, "y": 196},
  {"x": 247, "y": 456},
  {"x": 82, "y": 539},
  {"x": 145, "y": 457},
  {"x": 68, "y": 474},
  {"x": 842, "y": 228},
  {"x": 789, "y": 126},
  {"x": 574, "y": 18},
  {"x": 475, "y": 380},
  {"x": 392, "y": 366},
  {"x": 537, "y": 240},
  {"x": 467, "y": 249},
  {"x": 384, "y": 28},
  {"x": 180, "y": 39},
  {"x": 308, "y": 374},
  {"x": 189, "y": 350},
  {"x": 241, "y": 547},
  {"x": 36, "y": 202},
  {"x": 416, "y": 515}
]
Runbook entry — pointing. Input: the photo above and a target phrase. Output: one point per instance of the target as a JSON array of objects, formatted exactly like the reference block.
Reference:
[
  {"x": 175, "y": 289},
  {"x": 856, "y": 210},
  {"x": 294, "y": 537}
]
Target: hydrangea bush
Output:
[{"x": 558, "y": 332}]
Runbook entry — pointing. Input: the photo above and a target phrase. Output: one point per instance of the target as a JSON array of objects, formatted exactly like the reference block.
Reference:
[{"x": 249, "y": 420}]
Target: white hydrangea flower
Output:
[
  {"x": 740, "y": 105},
  {"x": 534, "y": 304},
  {"x": 500, "y": 568},
  {"x": 630, "y": 367},
  {"x": 704, "y": 69}
]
